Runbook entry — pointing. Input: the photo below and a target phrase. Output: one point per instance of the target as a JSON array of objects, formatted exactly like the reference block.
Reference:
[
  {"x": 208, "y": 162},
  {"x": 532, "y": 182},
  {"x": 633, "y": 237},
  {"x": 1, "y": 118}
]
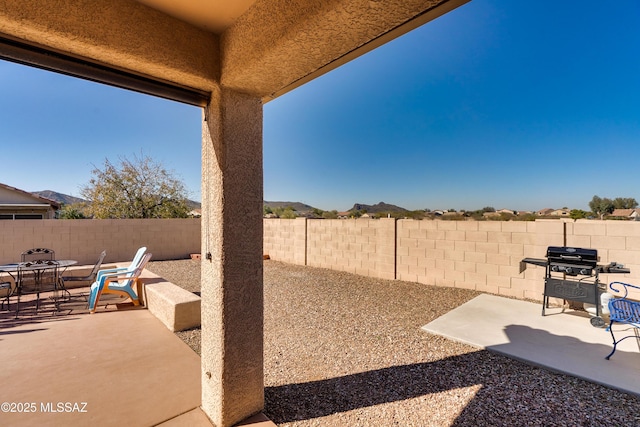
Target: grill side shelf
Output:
[{"x": 534, "y": 261}]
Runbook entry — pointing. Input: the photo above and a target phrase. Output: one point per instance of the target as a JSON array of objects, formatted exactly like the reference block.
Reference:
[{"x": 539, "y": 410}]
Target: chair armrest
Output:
[
  {"x": 117, "y": 278},
  {"x": 105, "y": 278},
  {"x": 110, "y": 271},
  {"x": 625, "y": 286}
]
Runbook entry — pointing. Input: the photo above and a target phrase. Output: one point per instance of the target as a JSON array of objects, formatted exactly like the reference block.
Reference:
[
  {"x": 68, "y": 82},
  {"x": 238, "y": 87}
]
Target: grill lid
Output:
[
  {"x": 570, "y": 255},
  {"x": 573, "y": 261}
]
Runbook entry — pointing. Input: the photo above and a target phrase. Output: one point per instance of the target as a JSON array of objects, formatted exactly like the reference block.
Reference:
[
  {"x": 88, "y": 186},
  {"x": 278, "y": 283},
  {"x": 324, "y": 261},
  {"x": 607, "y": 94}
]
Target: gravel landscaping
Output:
[{"x": 347, "y": 350}]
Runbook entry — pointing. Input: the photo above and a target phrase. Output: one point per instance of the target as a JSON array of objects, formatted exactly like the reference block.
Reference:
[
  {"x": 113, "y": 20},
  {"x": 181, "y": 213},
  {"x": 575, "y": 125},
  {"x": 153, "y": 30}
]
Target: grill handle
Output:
[{"x": 571, "y": 257}]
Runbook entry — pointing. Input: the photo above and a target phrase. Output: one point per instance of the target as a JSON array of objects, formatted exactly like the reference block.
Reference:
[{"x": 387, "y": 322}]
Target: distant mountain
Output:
[
  {"x": 302, "y": 208},
  {"x": 193, "y": 205},
  {"x": 299, "y": 207},
  {"x": 58, "y": 197},
  {"x": 377, "y": 208}
]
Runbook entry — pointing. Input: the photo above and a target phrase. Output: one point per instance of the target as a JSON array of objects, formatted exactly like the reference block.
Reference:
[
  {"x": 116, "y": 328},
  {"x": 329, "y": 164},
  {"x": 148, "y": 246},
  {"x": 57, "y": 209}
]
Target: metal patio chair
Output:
[
  {"x": 89, "y": 278},
  {"x": 7, "y": 285},
  {"x": 623, "y": 311},
  {"x": 37, "y": 254},
  {"x": 36, "y": 277}
]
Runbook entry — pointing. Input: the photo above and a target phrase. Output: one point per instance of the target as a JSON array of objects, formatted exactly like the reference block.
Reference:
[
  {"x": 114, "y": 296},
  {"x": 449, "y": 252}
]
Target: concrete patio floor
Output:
[
  {"x": 564, "y": 342},
  {"x": 120, "y": 366}
]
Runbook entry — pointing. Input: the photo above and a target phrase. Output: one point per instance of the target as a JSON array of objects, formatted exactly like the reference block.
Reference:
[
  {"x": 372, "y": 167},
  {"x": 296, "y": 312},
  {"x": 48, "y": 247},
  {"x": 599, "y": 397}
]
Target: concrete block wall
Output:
[
  {"x": 479, "y": 255},
  {"x": 285, "y": 240},
  {"x": 83, "y": 240},
  {"x": 482, "y": 255},
  {"x": 617, "y": 241},
  {"x": 362, "y": 246}
]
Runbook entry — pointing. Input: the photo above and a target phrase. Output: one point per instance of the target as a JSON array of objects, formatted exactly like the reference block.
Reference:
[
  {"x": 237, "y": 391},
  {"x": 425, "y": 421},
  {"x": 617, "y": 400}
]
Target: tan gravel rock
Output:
[{"x": 347, "y": 350}]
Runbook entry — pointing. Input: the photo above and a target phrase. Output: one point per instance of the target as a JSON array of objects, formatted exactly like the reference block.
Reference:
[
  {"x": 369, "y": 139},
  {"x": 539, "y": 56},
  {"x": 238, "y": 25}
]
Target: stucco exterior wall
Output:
[
  {"x": 18, "y": 202},
  {"x": 83, "y": 240},
  {"x": 10, "y": 196},
  {"x": 231, "y": 270}
]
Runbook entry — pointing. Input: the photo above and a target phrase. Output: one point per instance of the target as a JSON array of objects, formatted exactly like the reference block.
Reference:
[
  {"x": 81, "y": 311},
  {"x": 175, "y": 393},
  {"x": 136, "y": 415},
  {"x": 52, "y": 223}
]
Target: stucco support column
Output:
[{"x": 232, "y": 299}]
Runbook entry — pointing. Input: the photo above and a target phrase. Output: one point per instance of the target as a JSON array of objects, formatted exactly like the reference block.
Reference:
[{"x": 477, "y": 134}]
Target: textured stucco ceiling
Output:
[
  {"x": 210, "y": 15},
  {"x": 259, "y": 47}
]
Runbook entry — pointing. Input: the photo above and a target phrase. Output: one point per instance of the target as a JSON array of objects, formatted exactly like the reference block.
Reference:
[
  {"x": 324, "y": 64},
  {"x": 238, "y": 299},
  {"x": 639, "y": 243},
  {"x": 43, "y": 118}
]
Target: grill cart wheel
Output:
[{"x": 597, "y": 322}]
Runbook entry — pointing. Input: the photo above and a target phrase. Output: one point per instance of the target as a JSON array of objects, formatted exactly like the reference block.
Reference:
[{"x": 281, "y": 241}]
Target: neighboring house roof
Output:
[
  {"x": 561, "y": 212},
  {"x": 621, "y": 212},
  {"x": 545, "y": 211},
  {"x": 15, "y": 196},
  {"x": 627, "y": 213},
  {"x": 20, "y": 204}
]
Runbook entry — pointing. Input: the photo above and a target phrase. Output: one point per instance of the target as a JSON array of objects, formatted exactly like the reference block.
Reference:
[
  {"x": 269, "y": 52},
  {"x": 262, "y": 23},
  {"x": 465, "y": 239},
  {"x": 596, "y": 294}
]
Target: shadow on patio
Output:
[
  {"x": 120, "y": 366},
  {"x": 564, "y": 342}
]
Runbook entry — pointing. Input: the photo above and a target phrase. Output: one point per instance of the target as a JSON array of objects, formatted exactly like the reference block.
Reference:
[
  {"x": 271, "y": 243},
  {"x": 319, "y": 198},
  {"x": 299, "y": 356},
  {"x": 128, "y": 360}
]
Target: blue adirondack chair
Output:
[{"x": 118, "y": 279}]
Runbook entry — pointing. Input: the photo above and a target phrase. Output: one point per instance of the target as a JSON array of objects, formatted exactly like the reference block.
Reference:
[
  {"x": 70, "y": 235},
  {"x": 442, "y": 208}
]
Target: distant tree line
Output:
[
  {"x": 280, "y": 212},
  {"x": 599, "y": 208}
]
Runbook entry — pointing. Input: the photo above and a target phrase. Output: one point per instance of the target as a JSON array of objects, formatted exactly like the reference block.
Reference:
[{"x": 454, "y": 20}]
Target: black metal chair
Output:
[
  {"x": 38, "y": 254},
  {"x": 90, "y": 278},
  {"x": 35, "y": 277},
  {"x": 6, "y": 285}
]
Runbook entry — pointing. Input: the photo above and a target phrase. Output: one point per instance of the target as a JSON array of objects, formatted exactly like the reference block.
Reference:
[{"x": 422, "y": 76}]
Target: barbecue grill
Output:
[{"x": 573, "y": 274}]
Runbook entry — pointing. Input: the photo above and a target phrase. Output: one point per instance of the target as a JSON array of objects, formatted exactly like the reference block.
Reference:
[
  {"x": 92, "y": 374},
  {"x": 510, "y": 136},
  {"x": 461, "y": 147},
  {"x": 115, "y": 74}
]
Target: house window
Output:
[
  {"x": 29, "y": 216},
  {"x": 21, "y": 216}
]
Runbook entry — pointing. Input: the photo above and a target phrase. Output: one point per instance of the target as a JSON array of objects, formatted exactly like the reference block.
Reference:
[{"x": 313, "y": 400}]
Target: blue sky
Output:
[{"x": 512, "y": 104}]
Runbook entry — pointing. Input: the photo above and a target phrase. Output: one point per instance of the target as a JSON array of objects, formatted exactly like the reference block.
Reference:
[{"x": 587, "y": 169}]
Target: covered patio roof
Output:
[{"x": 180, "y": 50}]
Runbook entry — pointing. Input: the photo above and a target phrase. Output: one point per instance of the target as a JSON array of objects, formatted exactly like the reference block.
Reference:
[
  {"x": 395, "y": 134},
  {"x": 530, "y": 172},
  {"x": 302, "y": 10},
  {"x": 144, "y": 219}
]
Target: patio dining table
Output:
[
  {"x": 61, "y": 263},
  {"x": 39, "y": 269},
  {"x": 13, "y": 267}
]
